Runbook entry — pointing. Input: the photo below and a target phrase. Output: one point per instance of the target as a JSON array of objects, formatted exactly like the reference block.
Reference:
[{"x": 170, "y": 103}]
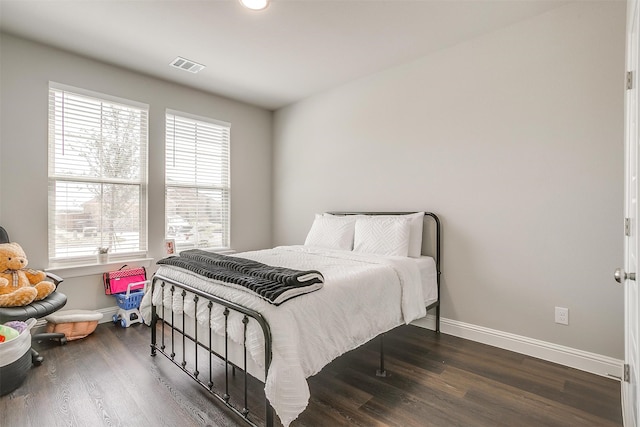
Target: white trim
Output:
[
  {"x": 585, "y": 361},
  {"x": 197, "y": 118},
  {"x": 99, "y": 95},
  {"x": 82, "y": 270},
  {"x": 108, "y": 313}
]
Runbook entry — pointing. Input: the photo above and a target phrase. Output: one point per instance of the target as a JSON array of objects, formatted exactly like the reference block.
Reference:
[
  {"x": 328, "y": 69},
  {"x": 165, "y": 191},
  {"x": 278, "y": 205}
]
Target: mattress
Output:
[{"x": 362, "y": 297}]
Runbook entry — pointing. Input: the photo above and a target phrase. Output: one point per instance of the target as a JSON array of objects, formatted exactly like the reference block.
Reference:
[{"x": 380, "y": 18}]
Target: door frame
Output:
[{"x": 631, "y": 379}]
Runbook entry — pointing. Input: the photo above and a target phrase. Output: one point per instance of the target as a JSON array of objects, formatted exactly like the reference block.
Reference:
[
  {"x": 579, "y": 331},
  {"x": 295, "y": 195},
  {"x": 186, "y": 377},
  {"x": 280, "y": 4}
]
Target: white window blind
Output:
[
  {"x": 97, "y": 175},
  {"x": 197, "y": 204}
]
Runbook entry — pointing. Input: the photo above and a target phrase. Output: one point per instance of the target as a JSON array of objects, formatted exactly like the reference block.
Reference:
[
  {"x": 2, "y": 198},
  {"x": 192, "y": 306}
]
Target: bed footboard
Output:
[{"x": 174, "y": 337}]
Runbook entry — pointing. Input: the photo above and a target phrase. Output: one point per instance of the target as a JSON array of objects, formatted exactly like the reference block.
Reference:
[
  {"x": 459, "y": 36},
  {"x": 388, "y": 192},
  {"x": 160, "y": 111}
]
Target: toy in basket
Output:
[{"x": 129, "y": 303}]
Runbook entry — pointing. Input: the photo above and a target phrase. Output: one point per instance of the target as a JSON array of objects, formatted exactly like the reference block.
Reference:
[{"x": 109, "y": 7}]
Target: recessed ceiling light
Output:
[
  {"x": 187, "y": 65},
  {"x": 255, "y": 4}
]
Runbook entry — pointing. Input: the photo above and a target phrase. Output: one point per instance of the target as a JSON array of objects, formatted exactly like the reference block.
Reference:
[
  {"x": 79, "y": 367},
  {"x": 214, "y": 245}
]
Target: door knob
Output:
[{"x": 621, "y": 276}]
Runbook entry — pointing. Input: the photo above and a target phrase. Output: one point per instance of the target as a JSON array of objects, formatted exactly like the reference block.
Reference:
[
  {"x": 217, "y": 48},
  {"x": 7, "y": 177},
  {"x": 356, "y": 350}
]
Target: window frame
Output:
[
  {"x": 226, "y": 226},
  {"x": 142, "y": 182}
]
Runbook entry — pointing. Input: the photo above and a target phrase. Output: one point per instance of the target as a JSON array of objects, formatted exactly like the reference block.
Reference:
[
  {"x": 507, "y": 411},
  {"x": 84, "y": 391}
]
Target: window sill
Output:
[{"x": 79, "y": 270}]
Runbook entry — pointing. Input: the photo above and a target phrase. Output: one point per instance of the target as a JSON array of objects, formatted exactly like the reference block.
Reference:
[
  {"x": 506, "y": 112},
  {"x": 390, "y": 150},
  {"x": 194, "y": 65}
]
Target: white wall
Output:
[
  {"x": 25, "y": 71},
  {"x": 515, "y": 139}
]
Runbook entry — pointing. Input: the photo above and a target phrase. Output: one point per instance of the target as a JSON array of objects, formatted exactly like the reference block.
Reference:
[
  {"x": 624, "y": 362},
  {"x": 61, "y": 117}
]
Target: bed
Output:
[{"x": 379, "y": 270}]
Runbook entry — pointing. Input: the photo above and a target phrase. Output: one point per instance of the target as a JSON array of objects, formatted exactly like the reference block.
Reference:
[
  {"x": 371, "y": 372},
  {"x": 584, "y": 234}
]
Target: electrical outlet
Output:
[{"x": 562, "y": 315}]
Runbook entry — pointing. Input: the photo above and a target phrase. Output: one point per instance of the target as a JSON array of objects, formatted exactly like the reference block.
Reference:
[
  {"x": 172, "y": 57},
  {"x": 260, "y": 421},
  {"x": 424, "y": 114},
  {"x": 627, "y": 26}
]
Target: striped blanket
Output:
[{"x": 273, "y": 284}]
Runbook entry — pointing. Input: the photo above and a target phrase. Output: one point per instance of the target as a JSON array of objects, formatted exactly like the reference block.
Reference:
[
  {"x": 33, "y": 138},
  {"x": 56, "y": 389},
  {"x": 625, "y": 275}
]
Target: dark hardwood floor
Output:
[{"x": 109, "y": 379}]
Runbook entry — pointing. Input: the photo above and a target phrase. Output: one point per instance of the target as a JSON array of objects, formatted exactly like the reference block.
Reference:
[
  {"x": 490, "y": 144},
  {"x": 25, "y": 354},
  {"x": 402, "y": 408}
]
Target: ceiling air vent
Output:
[{"x": 187, "y": 65}]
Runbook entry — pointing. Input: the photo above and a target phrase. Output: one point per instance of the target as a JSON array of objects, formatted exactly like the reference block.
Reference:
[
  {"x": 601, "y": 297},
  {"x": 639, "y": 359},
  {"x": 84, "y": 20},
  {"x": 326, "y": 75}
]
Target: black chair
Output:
[{"x": 37, "y": 310}]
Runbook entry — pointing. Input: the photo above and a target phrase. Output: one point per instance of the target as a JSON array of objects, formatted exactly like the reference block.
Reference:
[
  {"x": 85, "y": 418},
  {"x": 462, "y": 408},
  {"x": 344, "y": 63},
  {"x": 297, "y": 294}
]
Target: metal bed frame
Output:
[{"x": 169, "y": 328}]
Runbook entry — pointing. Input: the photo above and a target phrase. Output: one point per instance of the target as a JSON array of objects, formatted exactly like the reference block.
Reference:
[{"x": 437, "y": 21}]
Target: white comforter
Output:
[{"x": 363, "y": 296}]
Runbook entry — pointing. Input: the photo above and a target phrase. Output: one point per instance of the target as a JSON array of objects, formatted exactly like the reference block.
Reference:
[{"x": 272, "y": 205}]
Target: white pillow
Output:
[
  {"x": 415, "y": 238},
  {"x": 330, "y": 231},
  {"x": 382, "y": 235},
  {"x": 416, "y": 224}
]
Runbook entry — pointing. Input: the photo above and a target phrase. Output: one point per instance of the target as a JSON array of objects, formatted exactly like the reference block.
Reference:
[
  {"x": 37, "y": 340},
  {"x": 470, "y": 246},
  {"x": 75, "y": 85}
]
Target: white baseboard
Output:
[
  {"x": 567, "y": 356},
  {"x": 108, "y": 313}
]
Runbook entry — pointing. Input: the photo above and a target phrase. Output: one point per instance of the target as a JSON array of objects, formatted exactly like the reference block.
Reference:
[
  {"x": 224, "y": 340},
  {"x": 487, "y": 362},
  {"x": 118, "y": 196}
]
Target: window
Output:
[
  {"x": 197, "y": 181},
  {"x": 97, "y": 175}
]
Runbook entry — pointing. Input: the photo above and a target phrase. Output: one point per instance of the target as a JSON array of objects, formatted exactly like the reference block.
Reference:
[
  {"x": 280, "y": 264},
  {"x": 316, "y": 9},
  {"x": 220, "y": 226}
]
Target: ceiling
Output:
[{"x": 289, "y": 51}]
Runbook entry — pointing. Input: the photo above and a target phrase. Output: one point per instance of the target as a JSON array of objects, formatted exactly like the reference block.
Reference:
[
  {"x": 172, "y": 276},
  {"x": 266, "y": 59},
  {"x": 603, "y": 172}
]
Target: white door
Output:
[{"x": 630, "y": 396}]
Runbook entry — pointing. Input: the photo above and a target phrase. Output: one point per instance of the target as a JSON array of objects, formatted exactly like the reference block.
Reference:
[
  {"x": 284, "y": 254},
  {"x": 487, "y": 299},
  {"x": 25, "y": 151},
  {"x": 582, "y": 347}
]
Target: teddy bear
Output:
[{"x": 19, "y": 285}]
